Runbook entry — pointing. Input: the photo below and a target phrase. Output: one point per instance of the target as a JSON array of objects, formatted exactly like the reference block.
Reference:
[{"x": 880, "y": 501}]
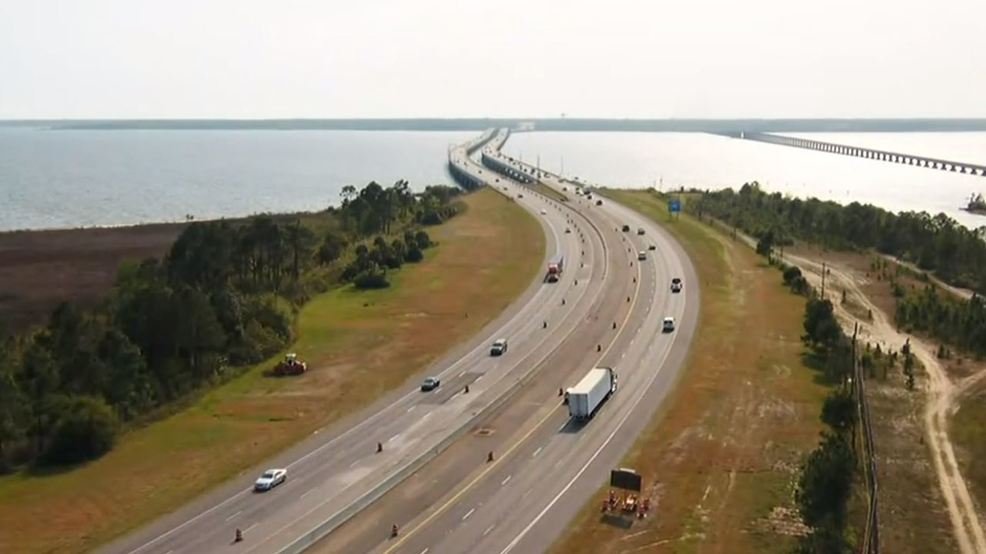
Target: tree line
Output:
[
  {"x": 935, "y": 243},
  {"x": 826, "y": 477},
  {"x": 956, "y": 254},
  {"x": 961, "y": 323},
  {"x": 223, "y": 297}
]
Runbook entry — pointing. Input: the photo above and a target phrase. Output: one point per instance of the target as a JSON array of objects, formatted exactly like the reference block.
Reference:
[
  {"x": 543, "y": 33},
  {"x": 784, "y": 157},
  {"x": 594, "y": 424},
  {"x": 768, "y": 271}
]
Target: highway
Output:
[
  {"x": 546, "y": 467},
  {"x": 338, "y": 471}
]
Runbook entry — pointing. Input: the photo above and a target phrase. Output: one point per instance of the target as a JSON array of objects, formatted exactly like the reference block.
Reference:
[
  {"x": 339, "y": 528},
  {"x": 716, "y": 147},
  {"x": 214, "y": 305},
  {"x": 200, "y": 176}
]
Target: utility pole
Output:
[
  {"x": 824, "y": 271},
  {"x": 855, "y": 386}
]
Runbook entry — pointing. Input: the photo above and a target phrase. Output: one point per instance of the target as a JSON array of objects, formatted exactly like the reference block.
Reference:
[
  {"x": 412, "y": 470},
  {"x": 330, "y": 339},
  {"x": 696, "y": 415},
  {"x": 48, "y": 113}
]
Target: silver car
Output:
[{"x": 270, "y": 479}]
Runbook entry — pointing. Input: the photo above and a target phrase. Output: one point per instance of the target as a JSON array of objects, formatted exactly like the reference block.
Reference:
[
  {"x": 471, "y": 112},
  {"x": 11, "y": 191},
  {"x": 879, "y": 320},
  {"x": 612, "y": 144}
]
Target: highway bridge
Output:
[
  {"x": 433, "y": 477},
  {"x": 869, "y": 153}
]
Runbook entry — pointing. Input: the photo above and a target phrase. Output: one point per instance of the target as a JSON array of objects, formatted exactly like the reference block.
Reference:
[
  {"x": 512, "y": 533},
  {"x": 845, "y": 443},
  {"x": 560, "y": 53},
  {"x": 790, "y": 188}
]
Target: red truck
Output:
[{"x": 555, "y": 268}]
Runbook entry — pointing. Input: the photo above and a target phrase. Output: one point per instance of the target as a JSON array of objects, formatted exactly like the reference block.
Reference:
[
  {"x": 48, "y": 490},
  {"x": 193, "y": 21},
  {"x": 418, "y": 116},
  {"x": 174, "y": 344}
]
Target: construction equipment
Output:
[{"x": 291, "y": 365}]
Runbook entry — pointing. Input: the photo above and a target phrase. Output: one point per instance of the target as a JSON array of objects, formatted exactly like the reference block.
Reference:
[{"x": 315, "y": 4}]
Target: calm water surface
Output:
[
  {"x": 670, "y": 160},
  {"x": 84, "y": 178}
]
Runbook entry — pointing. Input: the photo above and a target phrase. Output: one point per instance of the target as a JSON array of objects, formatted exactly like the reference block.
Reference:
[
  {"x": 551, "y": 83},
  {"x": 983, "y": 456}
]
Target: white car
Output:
[
  {"x": 270, "y": 479},
  {"x": 642, "y": 255},
  {"x": 668, "y": 325},
  {"x": 544, "y": 212},
  {"x": 499, "y": 347}
]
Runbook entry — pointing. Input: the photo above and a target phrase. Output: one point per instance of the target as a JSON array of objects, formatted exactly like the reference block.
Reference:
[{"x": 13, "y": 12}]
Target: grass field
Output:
[
  {"x": 359, "y": 344},
  {"x": 720, "y": 459},
  {"x": 968, "y": 430}
]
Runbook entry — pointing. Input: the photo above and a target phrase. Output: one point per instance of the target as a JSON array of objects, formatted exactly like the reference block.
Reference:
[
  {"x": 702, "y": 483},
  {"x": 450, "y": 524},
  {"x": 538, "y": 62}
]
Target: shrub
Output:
[
  {"x": 373, "y": 278},
  {"x": 414, "y": 255},
  {"x": 85, "y": 430}
]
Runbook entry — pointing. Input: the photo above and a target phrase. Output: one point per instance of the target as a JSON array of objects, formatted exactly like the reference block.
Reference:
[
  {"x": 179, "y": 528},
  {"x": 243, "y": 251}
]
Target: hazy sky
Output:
[{"x": 446, "y": 58}]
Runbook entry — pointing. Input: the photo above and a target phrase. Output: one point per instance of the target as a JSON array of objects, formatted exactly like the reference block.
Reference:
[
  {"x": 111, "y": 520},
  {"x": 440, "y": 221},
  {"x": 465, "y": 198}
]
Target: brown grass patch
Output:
[{"x": 39, "y": 269}]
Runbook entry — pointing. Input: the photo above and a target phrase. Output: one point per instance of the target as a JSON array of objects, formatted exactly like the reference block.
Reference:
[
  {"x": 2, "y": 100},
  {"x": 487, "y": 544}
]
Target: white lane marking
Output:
[
  {"x": 409, "y": 409},
  {"x": 425, "y": 551},
  {"x": 536, "y": 452},
  {"x": 469, "y": 513},
  {"x": 582, "y": 470},
  {"x": 488, "y": 529},
  {"x": 391, "y": 439},
  {"x": 353, "y": 464},
  {"x": 309, "y": 491},
  {"x": 424, "y": 417},
  {"x": 234, "y": 515},
  {"x": 562, "y": 428},
  {"x": 505, "y": 481},
  {"x": 250, "y": 527}
]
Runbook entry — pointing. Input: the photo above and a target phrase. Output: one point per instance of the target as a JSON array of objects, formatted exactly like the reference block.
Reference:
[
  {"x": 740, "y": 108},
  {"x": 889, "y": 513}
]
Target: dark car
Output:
[
  {"x": 626, "y": 228},
  {"x": 599, "y": 202},
  {"x": 430, "y": 383}
]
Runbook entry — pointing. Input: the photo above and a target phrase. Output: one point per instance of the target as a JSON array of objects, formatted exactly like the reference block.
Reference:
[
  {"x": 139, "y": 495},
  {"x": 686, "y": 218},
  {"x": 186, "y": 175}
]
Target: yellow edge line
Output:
[{"x": 490, "y": 467}]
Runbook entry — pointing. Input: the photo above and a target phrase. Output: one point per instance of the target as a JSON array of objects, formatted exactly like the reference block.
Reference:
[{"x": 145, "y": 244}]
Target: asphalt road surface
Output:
[
  {"x": 546, "y": 466},
  {"x": 338, "y": 470}
]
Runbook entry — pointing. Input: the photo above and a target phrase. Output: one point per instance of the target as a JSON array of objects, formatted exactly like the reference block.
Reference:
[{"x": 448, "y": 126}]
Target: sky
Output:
[{"x": 508, "y": 58}]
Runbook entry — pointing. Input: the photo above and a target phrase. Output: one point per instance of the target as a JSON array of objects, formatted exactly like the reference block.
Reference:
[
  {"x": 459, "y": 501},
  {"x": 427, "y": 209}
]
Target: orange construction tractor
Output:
[{"x": 291, "y": 365}]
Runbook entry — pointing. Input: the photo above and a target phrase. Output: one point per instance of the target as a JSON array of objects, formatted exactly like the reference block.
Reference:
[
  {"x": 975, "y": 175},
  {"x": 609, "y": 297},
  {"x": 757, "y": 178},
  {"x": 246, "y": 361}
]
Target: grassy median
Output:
[
  {"x": 359, "y": 344},
  {"x": 720, "y": 459}
]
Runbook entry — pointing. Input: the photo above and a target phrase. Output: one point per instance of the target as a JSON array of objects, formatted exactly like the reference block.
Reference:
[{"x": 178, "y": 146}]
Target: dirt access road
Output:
[{"x": 942, "y": 395}]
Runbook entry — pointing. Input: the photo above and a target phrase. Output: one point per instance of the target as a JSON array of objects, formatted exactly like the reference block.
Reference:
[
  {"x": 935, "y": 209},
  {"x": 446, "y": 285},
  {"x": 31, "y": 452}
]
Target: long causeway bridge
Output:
[{"x": 870, "y": 153}]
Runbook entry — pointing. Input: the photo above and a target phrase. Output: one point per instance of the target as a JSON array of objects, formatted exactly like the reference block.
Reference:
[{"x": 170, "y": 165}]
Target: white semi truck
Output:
[{"x": 585, "y": 398}]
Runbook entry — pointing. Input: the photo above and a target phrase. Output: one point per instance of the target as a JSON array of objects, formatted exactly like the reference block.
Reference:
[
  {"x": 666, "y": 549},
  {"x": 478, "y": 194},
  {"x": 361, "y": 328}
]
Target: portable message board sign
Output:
[{"x": 627, "y": 479}]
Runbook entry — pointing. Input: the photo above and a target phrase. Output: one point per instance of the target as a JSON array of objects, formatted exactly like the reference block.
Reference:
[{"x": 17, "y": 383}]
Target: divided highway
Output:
[
  {"x": 546, "y": 466},
  {"x": 338, "y": 471}
]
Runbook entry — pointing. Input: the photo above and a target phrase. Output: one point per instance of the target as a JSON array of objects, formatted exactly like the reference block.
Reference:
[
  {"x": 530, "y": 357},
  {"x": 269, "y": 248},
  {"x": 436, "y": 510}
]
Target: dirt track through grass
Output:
[
  {"x": 359, "y": 344},
  {"x": 940, "y": 403},
  {"x": 720, "y": 460}
]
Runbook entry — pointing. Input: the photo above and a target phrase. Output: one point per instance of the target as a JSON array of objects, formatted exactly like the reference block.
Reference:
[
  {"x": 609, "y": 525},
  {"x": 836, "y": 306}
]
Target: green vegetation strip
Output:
[{"x": 358, "y": 344}]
